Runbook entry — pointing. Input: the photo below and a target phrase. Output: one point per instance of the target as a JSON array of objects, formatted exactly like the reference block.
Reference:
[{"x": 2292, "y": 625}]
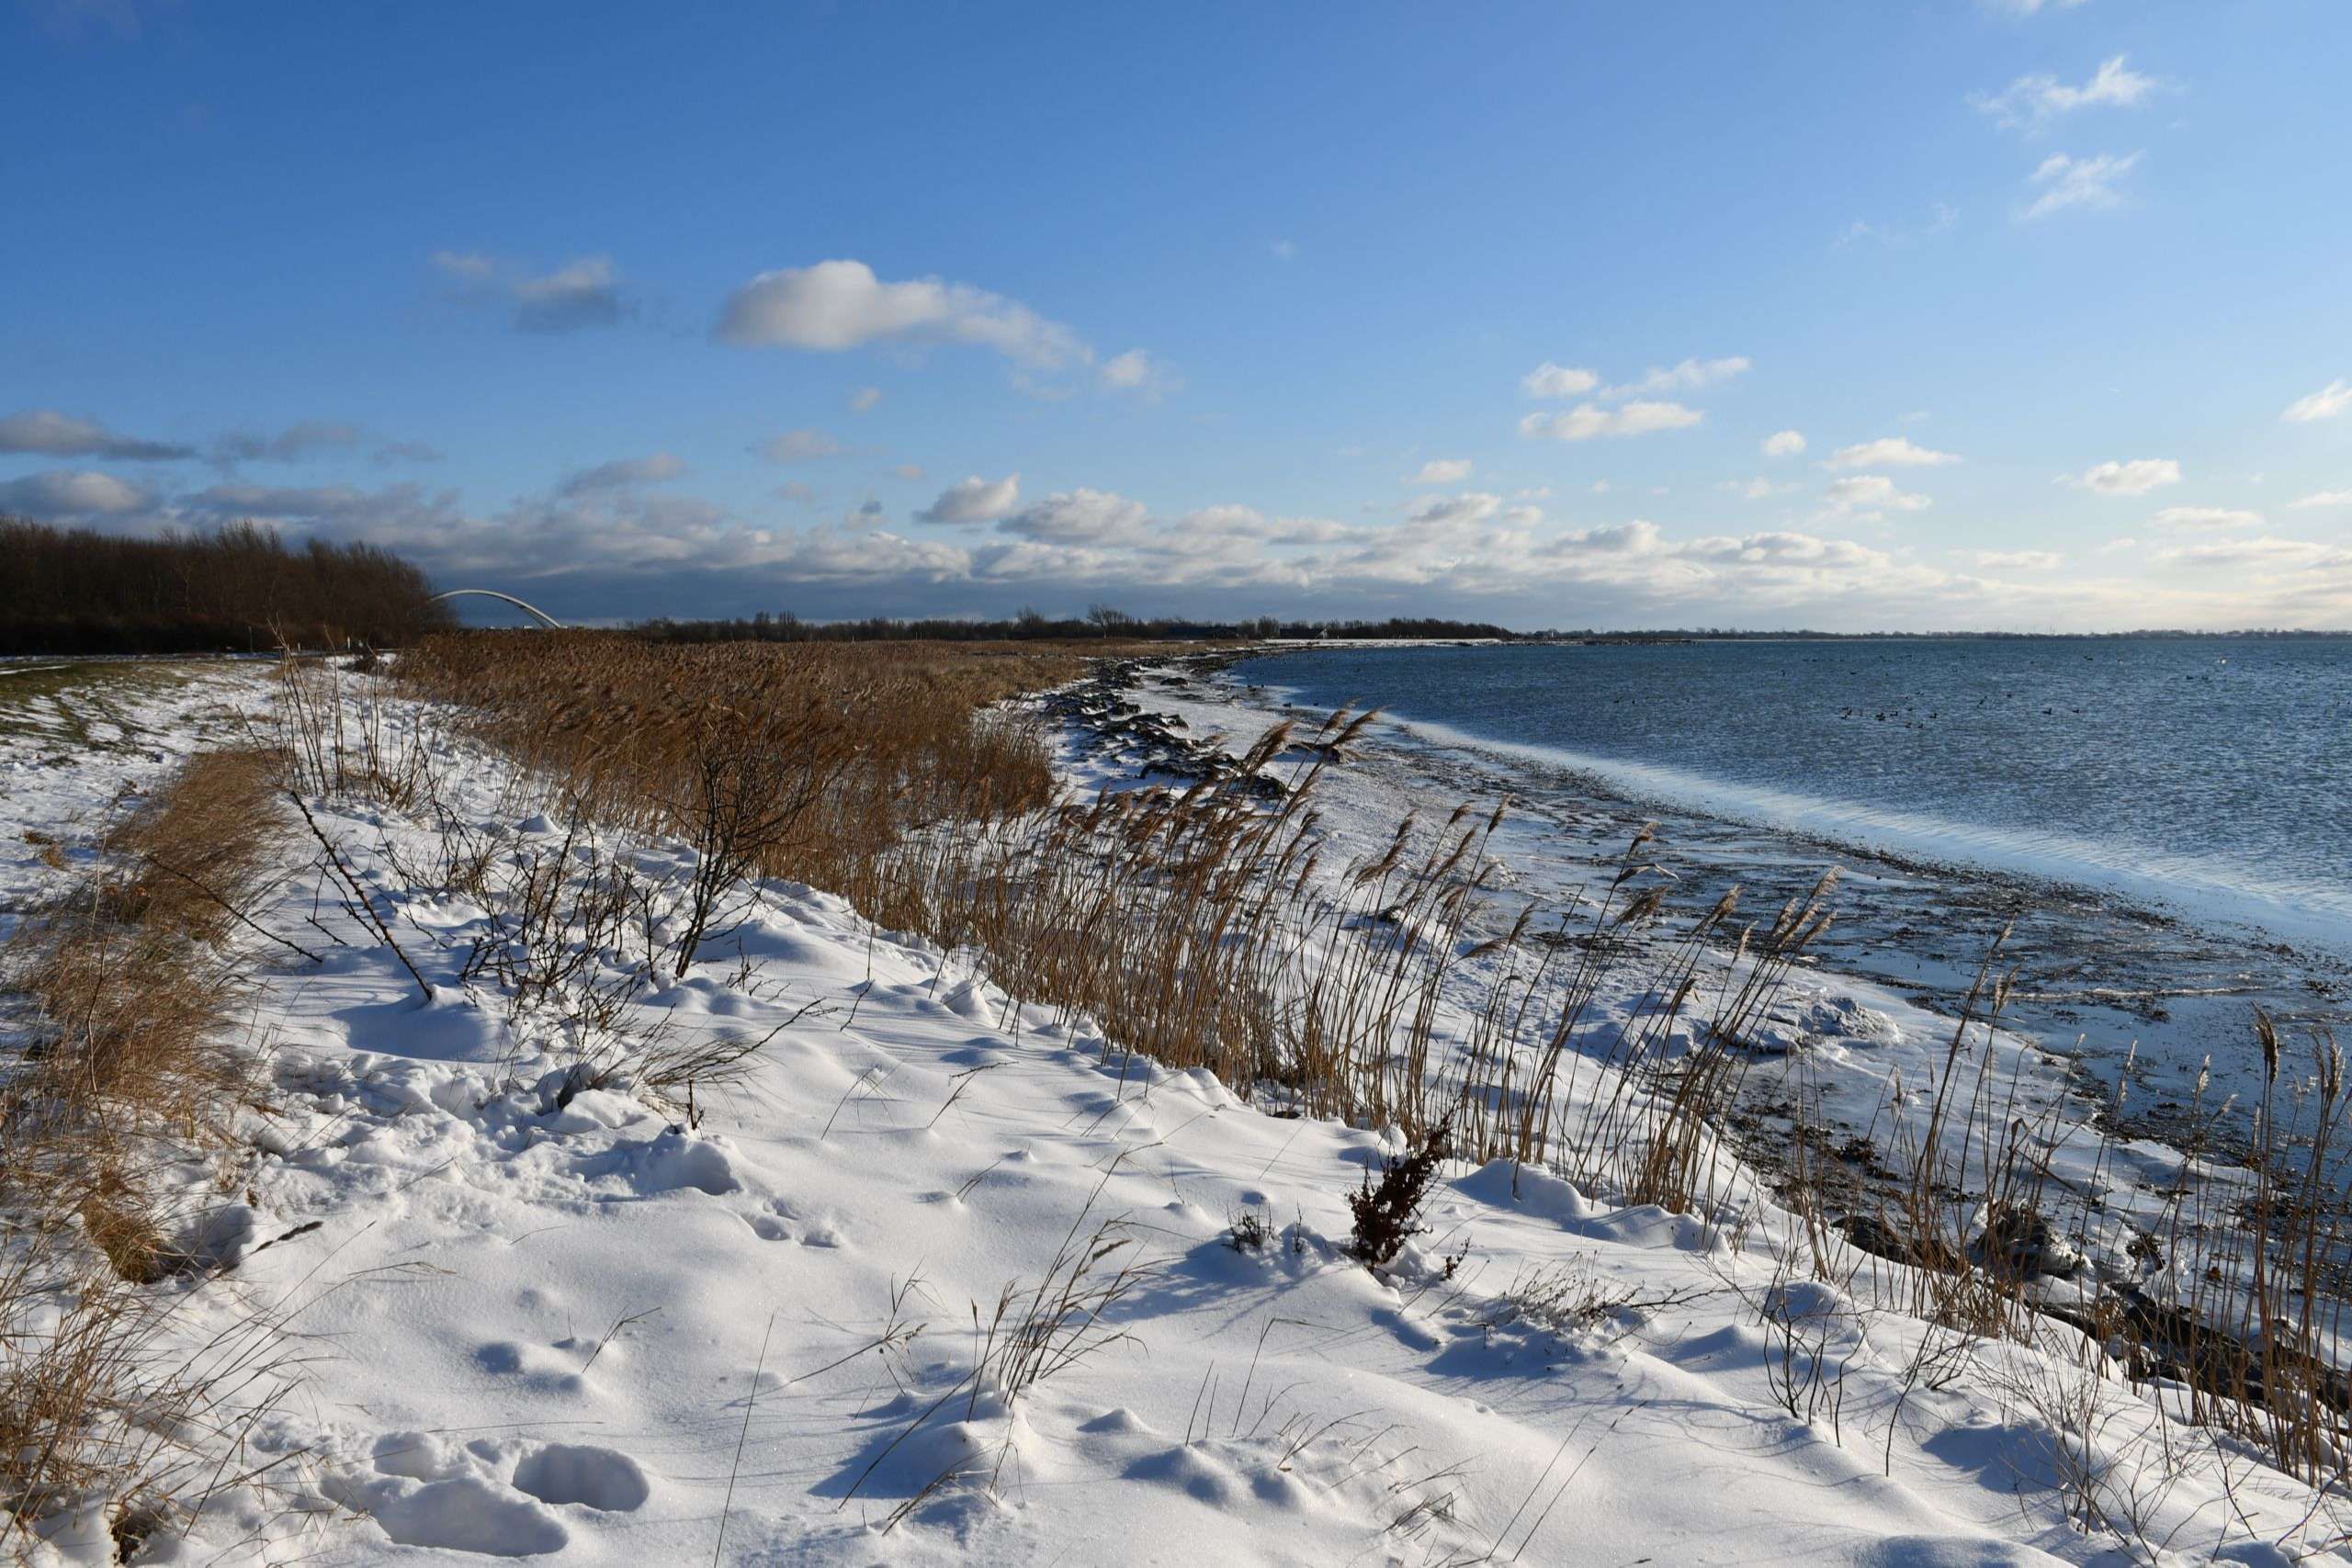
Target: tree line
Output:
[
  {"x": 239, "y": 588},
  {"x": 1101, "y": 621}
]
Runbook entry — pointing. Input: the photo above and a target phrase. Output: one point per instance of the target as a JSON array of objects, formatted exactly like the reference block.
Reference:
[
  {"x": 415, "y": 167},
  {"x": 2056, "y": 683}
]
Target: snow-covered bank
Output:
[{"x": 536, "y": 1317}]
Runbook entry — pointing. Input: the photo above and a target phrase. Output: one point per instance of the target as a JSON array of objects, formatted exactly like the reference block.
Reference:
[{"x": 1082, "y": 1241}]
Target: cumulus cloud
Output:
[
  {"x": 2325, "y": 498},
  {"x": 623, "y": 473},
  {"x": 798, "y": 446},
  {"x": 975, "y": 500},
  {"x": 2087, "y": 183},
  {"x": 1888, "y": 452},
  {"x": 1783, "y": 444},
  {"x": 2012, "y": 560},
  {"x": 1586, "y": 420},
  {"x": 1550, "y": 381},
  {"x": 1089, "y": 517},
  {"x": 2325, "y": 403},
  {"x": 54, "y": 435},
  {"x": 838, "y": 305},
  {"x": 2136, "y": 477},
  {"x": 2203, "y": 519},
  {"x": 1866, "y": 496},
  {"x": 583, "y": 292},
  {"x": 62, "y": 495},
  {"x": 2033, "y": 101},
  {"x": 1442, "y": 472},
  {"x": 862, "y": 399}
]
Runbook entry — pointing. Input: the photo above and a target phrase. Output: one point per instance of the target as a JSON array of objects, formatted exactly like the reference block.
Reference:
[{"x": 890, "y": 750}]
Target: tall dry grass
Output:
[
  {"x": 1204, "y": 927},
  {"x": 131, "y": 1063}
]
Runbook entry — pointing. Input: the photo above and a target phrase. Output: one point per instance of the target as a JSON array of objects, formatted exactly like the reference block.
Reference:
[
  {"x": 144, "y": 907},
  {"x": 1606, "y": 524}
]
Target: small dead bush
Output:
[{"x": 1388, "y": 1215}]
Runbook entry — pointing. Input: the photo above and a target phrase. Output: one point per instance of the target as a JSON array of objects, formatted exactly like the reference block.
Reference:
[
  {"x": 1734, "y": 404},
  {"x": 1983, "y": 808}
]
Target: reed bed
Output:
[{"x": 1206, "y": 927}]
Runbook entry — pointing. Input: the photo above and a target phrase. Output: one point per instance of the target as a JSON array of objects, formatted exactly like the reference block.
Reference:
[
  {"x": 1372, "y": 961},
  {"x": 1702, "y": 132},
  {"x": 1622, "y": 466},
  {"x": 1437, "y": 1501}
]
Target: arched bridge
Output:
[{"x": 545, "y": 619}]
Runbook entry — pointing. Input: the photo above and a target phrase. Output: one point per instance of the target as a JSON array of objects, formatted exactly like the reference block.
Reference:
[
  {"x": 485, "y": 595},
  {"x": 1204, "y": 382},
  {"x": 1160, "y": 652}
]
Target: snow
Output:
[{"x": 530, "y": 1322}]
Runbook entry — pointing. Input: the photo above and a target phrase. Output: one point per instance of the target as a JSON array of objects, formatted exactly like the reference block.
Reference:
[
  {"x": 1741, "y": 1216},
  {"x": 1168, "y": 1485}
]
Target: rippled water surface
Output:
[{"x": 2213, "y": 775}]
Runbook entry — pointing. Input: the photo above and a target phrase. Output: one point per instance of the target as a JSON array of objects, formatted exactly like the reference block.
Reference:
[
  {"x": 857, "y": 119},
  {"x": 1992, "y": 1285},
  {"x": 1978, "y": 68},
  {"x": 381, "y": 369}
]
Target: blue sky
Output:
[{"x": 1489, "y": 311}]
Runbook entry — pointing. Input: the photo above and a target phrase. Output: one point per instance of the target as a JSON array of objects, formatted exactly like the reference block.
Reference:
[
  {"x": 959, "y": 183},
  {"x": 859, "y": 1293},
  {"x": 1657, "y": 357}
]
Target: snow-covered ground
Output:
[{"x": 515, "y": 1326}]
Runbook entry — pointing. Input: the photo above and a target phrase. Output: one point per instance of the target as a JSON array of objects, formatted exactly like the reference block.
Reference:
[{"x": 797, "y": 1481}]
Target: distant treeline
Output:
[
  {"x": 1105, "y": 622},
  {"x": 239, "y": 589},
  {"x": 1030, "y": 626}
]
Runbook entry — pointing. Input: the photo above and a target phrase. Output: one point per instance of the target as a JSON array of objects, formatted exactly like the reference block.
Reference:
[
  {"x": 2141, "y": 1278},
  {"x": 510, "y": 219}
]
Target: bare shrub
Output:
[{"x": 1388, "y": 1215}]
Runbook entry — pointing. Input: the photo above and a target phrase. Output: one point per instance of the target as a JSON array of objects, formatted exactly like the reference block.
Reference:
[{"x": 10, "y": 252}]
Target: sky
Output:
[{"x": 1947, "y": 314}]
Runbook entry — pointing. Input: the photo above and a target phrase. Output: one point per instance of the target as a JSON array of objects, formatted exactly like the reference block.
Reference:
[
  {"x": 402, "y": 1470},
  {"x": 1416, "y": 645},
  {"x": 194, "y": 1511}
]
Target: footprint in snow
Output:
[
  {"x": 465, "y": 1513},
  {"x": 786, "y": 1223},
  {"x": 602, "y": 1479}
]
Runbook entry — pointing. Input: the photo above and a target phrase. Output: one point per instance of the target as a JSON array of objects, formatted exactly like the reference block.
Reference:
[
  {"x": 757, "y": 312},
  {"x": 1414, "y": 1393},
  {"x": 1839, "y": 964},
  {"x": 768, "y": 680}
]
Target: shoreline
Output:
[
  {"x": 2103, "y": 969},
  {"x": 1182, "y": 720}
]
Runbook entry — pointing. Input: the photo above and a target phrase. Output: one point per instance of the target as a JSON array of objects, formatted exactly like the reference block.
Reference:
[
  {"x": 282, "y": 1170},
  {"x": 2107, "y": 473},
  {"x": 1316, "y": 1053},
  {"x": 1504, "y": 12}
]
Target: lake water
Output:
[
  {"x": 2212, "y": 776},
  {"x": 2164, "y": 827}
]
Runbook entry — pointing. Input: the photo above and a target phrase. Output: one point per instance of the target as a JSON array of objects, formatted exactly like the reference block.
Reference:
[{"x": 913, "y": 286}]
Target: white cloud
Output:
[
  {"x": 1442, "y": 472},
  {"x": 1888, "y": 452},
  {"x": 1868, "y": 495},
  {"x": 800, "y": 446},
  {"x": 1090, "y": 517},
  {"x": 1586, "y": 420},
  {"x": 2087, "y": 183},
  {"x": 582, "y": 293},
  {"x": 2184, "y": 519},
  {"x": 975, "y": 500},
  {"x": 54, "y": 435},
  {"x": 862, "y": 399},
  {"x": 1470, "y": 506},
  {"x": 2137, "y": 477},
  {"x": 1689, "y": 375},
  {"x": 58, "y": 495},
  {"x": 2033, "y": 101},
  {"x": 2320, "y": 498},
  {"x": 465, "y": 265},
  {"x": 2030, "y": 8},
  {"x": 1942, "y": 218},
  {"x": 1284, "y": 250},
  {"x": 1783, "y": 444},
  {"x": 1550, "y": 381},
  {"x": 2325, "y": 403},
  {"x": 908, "y": 470},
  {"x": 2266, "y": 550},
  {"x": 2013, "y": 560},
  {"x": 838, "y": 305},
  {"x": 1138, "y": 371},
  {"x": 622, "y": 474},
  {"x": 2121, "y": 542}
]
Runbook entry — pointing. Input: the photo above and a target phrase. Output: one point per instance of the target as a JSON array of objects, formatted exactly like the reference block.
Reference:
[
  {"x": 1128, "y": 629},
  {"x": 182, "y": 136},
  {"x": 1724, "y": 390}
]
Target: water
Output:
[{"x": 2211, "y": 776}]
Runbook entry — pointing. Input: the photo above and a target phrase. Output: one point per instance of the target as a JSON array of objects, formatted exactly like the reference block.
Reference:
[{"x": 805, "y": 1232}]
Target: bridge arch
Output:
[{"x": 544, "y": 618}]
